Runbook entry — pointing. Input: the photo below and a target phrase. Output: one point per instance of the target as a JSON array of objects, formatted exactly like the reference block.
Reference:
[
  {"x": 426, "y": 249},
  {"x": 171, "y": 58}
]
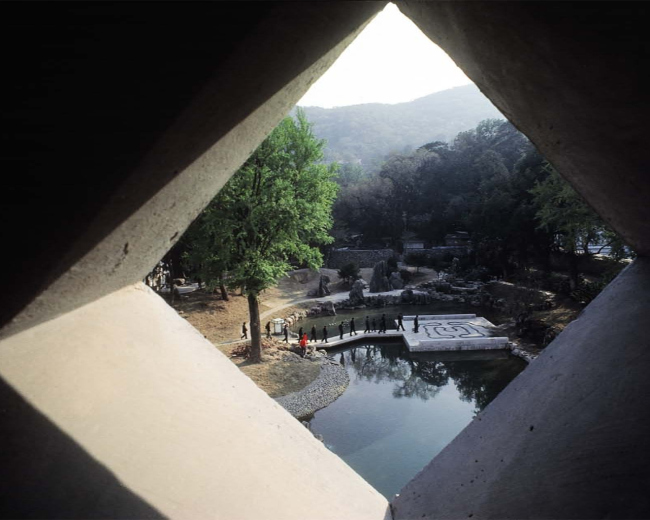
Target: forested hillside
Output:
[
  {"x": 367, "y": 133},
  {"x": 489, "y": 181}
]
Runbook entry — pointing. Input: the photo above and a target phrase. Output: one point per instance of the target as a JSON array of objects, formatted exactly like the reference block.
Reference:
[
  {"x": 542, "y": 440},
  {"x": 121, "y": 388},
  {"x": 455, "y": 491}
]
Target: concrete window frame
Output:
[{"x": 134, "y": 416}]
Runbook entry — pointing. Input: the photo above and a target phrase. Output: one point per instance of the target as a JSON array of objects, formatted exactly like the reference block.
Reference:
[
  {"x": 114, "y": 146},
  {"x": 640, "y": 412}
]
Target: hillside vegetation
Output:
[{"x": 365, "y": 134}]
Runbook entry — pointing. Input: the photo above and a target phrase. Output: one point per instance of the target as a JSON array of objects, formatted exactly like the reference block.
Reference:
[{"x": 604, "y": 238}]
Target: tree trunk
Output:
[
  {"x": 256, "y": 333},
  {"x": 172, "y": 287},
  {"x": 574, "y": 271},
  {"x": 222, "y": 287}
]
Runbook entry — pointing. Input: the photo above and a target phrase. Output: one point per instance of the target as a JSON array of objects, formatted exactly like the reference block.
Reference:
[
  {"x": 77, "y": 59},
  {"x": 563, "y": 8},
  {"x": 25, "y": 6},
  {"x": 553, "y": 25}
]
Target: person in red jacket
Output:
[{"x": 303, "y": 344}]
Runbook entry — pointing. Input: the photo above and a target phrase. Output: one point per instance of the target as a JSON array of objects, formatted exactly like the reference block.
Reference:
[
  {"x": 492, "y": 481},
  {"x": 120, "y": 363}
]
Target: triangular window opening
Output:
[{"x": 436, "y": 194}]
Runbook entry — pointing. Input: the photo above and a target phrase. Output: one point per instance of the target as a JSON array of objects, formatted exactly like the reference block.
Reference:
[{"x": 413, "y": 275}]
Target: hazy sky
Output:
[{"x": 391, "y": 61}]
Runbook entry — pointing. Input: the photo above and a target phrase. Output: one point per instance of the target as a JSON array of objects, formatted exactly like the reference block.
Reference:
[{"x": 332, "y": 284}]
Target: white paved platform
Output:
[
  {"x": 451, "y": 332},
  {"x": 336, "y": 342},
  {"x": 436, "y": 333}
]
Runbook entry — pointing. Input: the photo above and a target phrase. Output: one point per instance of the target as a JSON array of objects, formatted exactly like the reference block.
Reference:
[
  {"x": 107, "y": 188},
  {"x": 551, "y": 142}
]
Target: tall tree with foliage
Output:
[
  {"x": 208, "y": 248},
  {"x": 273, "y": 212},
  {"x": 349, "y": 273},
  {"x": 574, "y": 225}
]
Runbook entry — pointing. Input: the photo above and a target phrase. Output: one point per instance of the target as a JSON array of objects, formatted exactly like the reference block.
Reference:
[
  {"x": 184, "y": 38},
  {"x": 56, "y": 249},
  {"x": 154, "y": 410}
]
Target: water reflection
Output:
[
  {"x": 478, "y": 376},
  {"x": 400, "y": 410}
]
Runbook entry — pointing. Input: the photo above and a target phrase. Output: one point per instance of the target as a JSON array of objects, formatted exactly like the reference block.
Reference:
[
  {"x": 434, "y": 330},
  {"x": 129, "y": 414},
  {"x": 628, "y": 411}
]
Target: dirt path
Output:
[{"x": 282, "y": 372}]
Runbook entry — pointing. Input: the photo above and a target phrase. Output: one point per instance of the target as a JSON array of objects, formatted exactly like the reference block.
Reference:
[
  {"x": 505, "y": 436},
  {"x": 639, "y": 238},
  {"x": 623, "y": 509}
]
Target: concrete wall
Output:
[
  {"x": 568, "y": 437},
  {"x": 441, "y": 251},
  {"x": 586, "y": 119},
  {"x": 124, "y": 122},
  {"x": 369, "y": 257},
  {"x": 122, "y": 133},
  {"x": 361, "y": 257},
  {"x": 121, "y": 121},
  {"x": 179, "y": 430}
]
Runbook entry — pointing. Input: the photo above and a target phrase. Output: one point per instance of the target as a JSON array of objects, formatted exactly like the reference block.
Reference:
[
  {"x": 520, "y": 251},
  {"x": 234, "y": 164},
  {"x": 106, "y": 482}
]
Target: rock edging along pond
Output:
[
  {"x": 323, "y": 391},
  {"x": 519, "y": 352}
]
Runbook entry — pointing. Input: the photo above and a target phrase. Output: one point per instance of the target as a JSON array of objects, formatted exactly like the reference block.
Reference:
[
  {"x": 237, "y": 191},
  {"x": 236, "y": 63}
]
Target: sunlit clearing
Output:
[{"x": 391, "y": 61}]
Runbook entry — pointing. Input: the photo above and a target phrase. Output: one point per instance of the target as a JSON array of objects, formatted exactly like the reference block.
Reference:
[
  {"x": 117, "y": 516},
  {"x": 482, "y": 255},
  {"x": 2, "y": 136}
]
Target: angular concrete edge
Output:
[
  {"x": 173, "y": 419},
  {"x": 542, "y": 76},
  {"x": 568, "y": 438},
  {"x": 122, "y": 253}
]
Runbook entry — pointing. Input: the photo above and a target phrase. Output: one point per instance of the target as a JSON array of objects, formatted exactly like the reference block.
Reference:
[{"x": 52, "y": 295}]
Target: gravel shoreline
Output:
[{"x": 324, "y": 390}]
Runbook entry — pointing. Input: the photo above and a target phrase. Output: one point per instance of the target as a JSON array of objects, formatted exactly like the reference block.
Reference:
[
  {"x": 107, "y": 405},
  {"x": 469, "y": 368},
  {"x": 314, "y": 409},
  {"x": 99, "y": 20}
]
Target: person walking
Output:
[
  {"x": 300, "y": 333},
  {"x": 353, "y": 327},
  {"x": 303, "y": 344},
  {"x": 367, "y": 325},
  {"x": 399, "y": 322},
  {"x": 324, "y": 340},
  {"x": 416, "y": 324},
  {"x": 341, "y": 330},
  {"x": 268, "y": 329},
  {"x": 244, "y": 331},
  {"x": 313, "y": 333},
  {"x": 286, "y": 333},
  {"x": 382, "y": 324},
  {"x": 374, "y": 324}
]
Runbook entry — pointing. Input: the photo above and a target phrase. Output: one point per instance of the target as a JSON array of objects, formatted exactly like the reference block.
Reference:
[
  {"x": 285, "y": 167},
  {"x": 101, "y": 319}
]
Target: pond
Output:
[{"x": 401, "y": 409}]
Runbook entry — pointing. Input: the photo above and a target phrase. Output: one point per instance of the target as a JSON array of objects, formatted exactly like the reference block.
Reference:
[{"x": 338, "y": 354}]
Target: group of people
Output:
[{"x": 371, "y": 326}]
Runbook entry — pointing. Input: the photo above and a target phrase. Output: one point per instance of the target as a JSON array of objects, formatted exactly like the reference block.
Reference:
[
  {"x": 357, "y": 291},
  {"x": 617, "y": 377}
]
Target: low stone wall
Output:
[
  {"x": 361, "y": 257},
  {"x": 440, "y": 252}
]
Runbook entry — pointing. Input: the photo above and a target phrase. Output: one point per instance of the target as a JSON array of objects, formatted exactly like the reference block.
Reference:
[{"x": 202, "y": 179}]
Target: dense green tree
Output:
[
  {"x": 210, "y": 246},
  {"x": 483, "y": 182},
  {"x": 349, "y": 273},
  {"x": 275, "y": 210},
  {"x": 403, "y": 203},
  {"x": 350, "y": 174},
  {"x": 417, "y": 259},
  {"x": 562, "y": 210},
  {"x": 364, "y": 208},
  {"x": 574, "y": 225}
]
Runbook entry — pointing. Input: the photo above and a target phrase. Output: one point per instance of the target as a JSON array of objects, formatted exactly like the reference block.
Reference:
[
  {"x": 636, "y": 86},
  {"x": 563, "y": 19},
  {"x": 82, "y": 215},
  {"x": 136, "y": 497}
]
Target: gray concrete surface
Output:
[
  {"x": 141, "y": 171},
  {"x": 568, "y": 438},
  {"x": 571, "y": 76},
  {"x": 155, "y": 421},
  {"x": 121, "y": 121}
]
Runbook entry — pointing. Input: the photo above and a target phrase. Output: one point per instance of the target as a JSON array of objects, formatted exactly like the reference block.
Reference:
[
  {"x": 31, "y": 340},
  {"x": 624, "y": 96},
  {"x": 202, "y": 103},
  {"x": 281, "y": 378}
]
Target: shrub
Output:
[
  {"x": 349, "y": 272},
  {"x": 481, "y": 274},
  {"x": 406, "y": 275},
  {"x": 587, "y": 291},
  {"x": 392, "y": 264},
  {"x": 417, "y": 260}
]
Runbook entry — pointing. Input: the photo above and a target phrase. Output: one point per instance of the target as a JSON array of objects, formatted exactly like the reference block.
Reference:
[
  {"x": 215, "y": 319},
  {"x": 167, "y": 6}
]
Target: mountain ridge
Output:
[{"x": 367, "y": 132}]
